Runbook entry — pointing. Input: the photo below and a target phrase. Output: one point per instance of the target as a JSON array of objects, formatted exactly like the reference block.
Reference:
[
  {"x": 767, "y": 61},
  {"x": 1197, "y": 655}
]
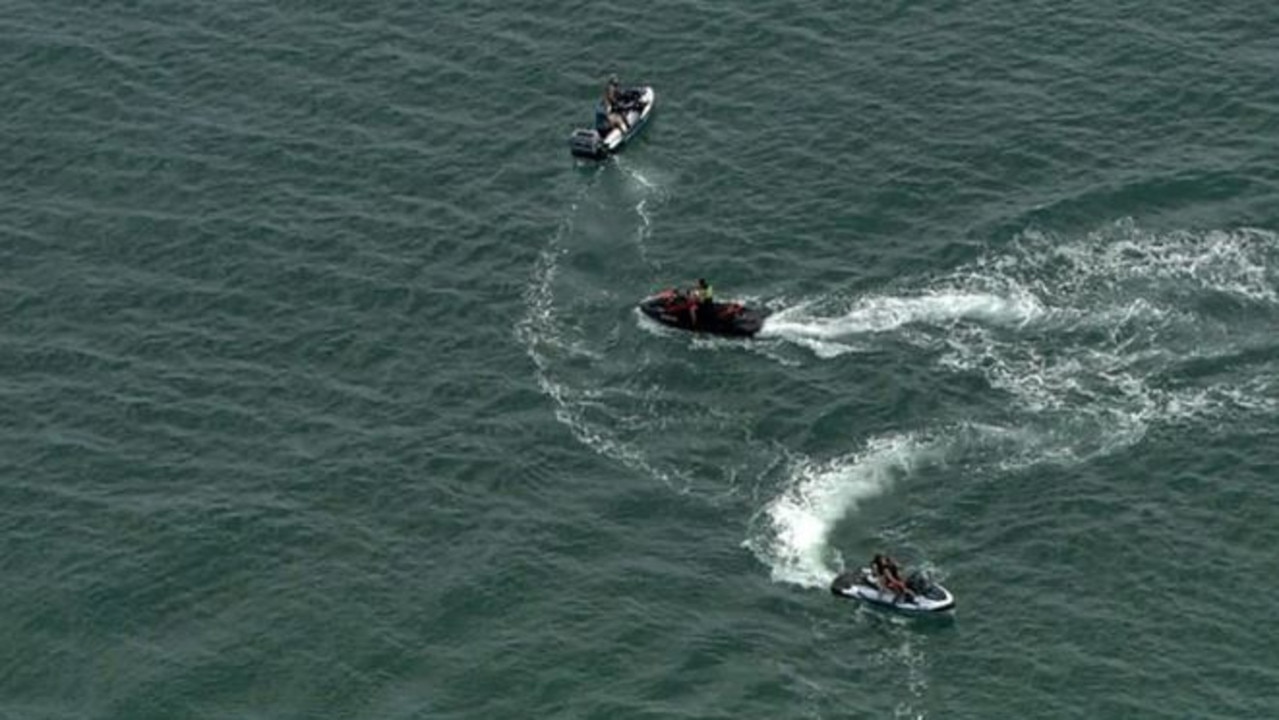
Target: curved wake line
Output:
[
  {"x": 646, "y": 188},
  {"x": 1116, "y": 316},
  {"x": 542, "y": 337},
  {"x": 794, "y": 537}
]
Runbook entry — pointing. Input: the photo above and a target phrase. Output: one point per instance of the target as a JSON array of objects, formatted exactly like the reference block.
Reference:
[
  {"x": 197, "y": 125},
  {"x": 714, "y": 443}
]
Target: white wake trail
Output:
[
  {"x": 827, "y": 335},
  {"x": 550, "y": 343},
  {"x": 1084, "y": 340},
  {"x": 794, "y": 531}
]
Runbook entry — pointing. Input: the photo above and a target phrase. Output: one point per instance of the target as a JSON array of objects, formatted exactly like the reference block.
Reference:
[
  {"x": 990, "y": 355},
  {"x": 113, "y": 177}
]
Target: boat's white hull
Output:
[
  {"x": 861, "y": 585},
  {"x": 635, "y": 120},
  {"x": 587, "y": 142}
]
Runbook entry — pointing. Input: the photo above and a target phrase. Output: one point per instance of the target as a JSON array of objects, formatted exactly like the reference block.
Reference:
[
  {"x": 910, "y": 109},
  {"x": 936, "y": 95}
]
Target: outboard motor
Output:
[{"x": 586, "y": 143}]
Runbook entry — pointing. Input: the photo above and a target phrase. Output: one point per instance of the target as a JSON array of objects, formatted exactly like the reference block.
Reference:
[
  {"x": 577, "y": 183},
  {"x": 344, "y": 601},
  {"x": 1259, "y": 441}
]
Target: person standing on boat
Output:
[{"x": 701, "y": 301}]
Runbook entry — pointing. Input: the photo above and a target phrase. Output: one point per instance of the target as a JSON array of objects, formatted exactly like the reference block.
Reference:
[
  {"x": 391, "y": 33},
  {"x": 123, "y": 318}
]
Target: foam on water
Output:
[
  {"x": 1124, "y": 256},
  {"x": 650, "y": 192},
  {"x": 880, "y": 314},
  {"x": 1083, "y": 336},
  {"x": 542, "y": 337},
  {"x": 910, "y": 656},
  {"x": 546, "y": 341},
  {"x": 792, "y": 534},
  {"x": 1126, "y": 309},
  {"x": 1109, "y": 277}
]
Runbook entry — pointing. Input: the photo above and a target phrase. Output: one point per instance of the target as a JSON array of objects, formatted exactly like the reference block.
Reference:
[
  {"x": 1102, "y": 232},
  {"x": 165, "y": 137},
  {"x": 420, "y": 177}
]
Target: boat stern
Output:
[{"x": 586, "y": 143}]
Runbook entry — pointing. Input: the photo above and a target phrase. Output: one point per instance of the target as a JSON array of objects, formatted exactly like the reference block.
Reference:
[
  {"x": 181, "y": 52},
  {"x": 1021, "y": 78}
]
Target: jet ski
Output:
[
  {"x": 926, "y": 597},
  {"x": 672, "y": 307},
  {"x": 636, "y": 105}
]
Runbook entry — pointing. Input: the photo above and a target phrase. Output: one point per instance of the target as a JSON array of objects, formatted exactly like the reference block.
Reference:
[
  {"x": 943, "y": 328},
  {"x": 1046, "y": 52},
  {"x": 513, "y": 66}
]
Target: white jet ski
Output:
[
  {"x": 925, "y": 597},
  {"x": 597, "y": 143}
]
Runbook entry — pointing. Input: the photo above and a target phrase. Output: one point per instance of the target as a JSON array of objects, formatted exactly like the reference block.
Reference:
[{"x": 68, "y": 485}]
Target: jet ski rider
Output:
[
  {"x": 701, "y": 300},
  {"x": 890, "y": 576},
  {"x": 608, "y": 114}
]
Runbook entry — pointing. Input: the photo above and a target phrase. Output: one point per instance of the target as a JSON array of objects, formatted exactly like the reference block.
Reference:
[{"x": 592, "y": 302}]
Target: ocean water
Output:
[{"x": 324, "y": 394}]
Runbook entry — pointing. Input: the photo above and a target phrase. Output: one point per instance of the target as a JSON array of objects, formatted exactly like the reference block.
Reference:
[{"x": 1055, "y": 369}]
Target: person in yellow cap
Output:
[{"x": 702, "y": 301}]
